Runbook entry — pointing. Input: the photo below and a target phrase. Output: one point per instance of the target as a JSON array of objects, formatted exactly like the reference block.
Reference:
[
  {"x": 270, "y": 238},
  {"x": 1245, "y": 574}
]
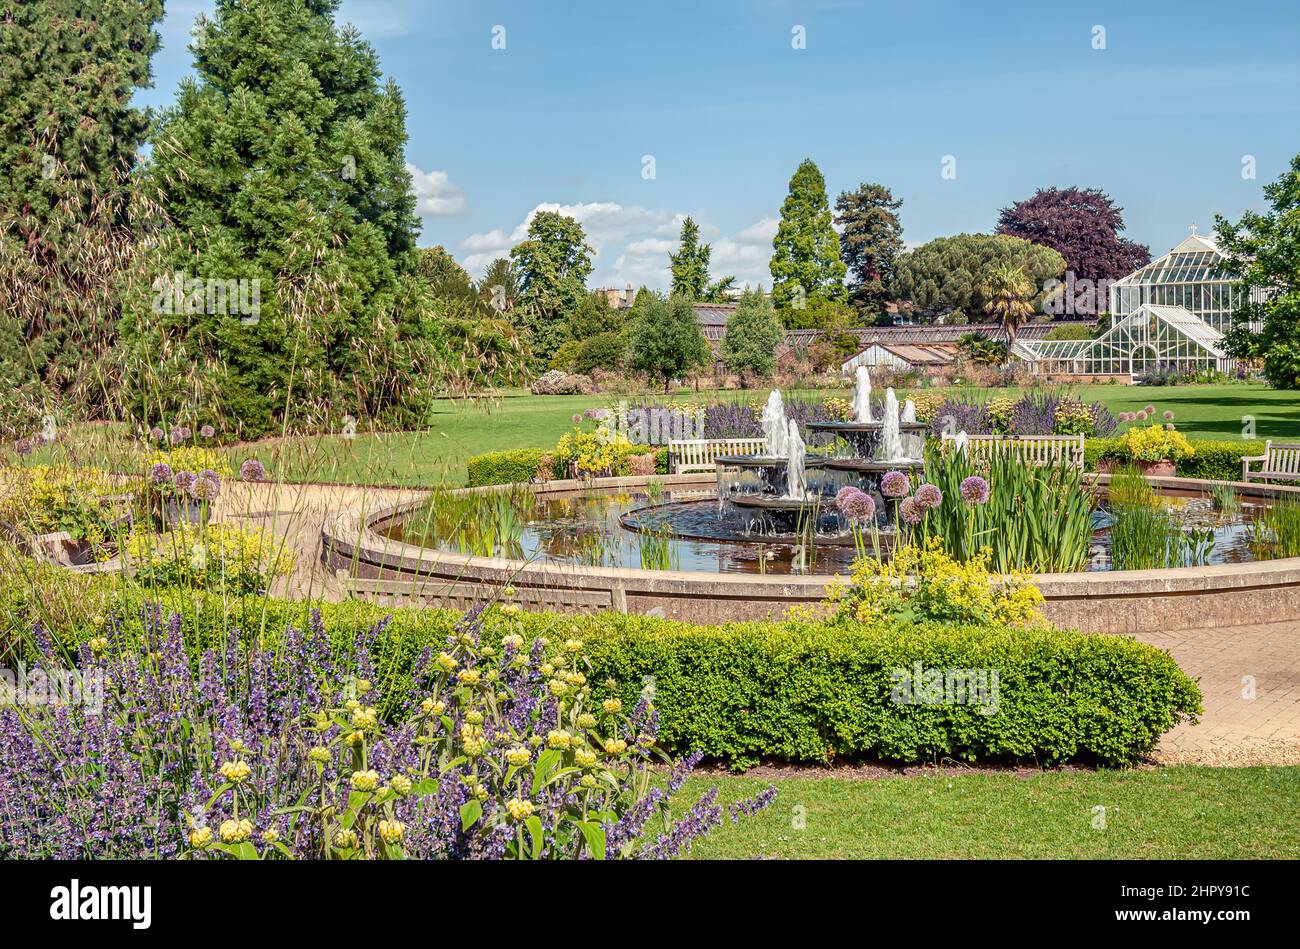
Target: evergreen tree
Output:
[
  {"x": 553, "y": 266},
  {"x": 1263, "y": 253},
  {"x": 283, "y": 166},
  {"x": 753, "y": 332},
  {"x": 806, "y": 262},
  {"x": 666, "y": 341},
  {"x": 952, "y": 273},
  {"x": 871, "y": 238},
  {"x": 68, "y": 141},
  {"x": 499, "y": 287}
]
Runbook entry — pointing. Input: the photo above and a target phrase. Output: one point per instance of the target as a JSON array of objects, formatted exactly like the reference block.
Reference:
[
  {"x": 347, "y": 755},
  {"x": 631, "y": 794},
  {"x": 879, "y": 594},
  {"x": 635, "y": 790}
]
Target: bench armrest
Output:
[{"x": 1254, "y": 457}]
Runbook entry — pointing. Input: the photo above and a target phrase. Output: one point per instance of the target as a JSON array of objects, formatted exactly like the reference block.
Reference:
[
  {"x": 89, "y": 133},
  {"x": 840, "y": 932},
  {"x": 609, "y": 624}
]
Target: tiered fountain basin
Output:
[{"x": 377, "y": 560}]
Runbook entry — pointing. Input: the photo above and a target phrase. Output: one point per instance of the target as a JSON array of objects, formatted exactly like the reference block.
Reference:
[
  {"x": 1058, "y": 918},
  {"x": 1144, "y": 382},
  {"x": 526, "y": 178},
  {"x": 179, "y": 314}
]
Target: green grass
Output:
[
  {"x": 1168, "y": 813},
  {"x": 459, "y": 430}
]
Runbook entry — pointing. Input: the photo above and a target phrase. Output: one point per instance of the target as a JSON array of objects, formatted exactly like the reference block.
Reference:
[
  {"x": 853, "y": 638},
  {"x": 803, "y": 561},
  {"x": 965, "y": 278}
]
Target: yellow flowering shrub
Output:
[
  {"x": 84, "y": 502},
  {"x": 217, "y": 556},
  {"x": 1155, "y": 443},
  {"x": 1001, "y": 412},
  {"x": 923, "y": 583},
  {"x": 839, "y": 409},
  {"x": 192, "y": 458},
  {"x": 594, "y": 453}
]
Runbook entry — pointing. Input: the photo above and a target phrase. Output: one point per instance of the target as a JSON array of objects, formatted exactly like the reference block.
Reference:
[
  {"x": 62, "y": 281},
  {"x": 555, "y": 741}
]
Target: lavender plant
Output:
[{"x": 257, "y": 753}]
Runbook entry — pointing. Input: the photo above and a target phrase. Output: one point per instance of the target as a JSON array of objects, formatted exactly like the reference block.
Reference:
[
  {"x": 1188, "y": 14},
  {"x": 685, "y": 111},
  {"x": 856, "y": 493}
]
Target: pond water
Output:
[{"x": 682, "y": 530}]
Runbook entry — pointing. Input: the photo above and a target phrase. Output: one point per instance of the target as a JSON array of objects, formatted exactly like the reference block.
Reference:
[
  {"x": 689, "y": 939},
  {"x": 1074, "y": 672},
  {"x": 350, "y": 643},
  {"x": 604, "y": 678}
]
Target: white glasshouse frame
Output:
[{"x": 1151, "y": 336}]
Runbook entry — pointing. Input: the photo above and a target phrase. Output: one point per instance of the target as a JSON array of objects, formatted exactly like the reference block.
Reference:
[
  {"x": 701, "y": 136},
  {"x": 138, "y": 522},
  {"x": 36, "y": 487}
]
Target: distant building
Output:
[
  {"x": 618, "y": 299},
  {"x": 901, "y": 356}
]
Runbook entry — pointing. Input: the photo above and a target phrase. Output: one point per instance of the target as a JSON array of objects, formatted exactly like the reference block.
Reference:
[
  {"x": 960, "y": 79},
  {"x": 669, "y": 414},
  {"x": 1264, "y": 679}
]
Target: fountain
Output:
[{"x": 773, "y": 494}]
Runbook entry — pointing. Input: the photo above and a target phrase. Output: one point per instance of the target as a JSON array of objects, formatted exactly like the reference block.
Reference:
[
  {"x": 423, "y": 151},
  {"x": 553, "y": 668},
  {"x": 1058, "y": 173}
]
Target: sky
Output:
[{"x": 630, "y": 116}]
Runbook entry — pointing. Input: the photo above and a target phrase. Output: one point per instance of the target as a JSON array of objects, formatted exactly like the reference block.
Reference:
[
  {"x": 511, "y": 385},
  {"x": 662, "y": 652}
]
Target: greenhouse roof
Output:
[
  {"x": 1195, "y": 260},
  {"x": 1128, "y": 333}
]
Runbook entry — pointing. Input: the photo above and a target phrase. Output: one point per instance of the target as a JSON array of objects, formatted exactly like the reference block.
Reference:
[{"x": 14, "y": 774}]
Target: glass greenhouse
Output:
[{"x": 1172, "y": 312}]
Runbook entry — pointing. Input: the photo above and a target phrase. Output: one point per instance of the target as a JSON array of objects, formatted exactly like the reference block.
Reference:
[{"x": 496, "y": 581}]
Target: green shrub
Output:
[
  {"x": 504, "y": 467},
  {"x": 1214, "y": 460},
  {"x": 791, "y": 691}
]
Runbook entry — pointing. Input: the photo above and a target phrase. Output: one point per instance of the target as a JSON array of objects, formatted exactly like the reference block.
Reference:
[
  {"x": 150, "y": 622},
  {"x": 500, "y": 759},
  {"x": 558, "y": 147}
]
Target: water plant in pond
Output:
[
  {"x": 657, "y": 550},
  {"x": 482, "y": 524},
  {"x": 1029, "y": 517},
  {"x": 1276, "y": 532},
  {"x": 1145, "y": 534},
  {"x": 1224, "y": 499}
]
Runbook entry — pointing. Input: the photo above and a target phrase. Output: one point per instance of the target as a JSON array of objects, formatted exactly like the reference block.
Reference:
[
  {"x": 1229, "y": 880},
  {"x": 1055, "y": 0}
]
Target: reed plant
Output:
[{"x": 1276, "y": 532}]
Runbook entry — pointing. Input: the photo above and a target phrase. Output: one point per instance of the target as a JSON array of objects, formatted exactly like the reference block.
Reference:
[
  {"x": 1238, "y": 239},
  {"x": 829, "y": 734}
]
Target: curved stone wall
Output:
[{"x": 387, "y": 571}]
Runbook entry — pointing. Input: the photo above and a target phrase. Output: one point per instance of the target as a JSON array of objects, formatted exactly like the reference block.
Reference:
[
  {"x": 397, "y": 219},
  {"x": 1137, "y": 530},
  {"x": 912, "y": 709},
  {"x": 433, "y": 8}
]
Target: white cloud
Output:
[
  {"x": 632, "y": 244},
  {"x": 435, "y": 195}
]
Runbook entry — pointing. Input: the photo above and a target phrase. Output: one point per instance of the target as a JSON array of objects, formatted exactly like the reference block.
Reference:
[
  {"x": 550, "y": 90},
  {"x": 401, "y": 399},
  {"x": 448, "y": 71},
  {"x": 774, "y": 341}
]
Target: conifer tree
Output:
[{"x": 806, "y": 262}]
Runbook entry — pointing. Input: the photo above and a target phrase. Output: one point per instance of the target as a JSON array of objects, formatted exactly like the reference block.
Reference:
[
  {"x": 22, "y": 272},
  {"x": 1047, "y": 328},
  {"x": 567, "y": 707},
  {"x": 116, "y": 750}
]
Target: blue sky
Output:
[{"x": 1162, "y": 118}]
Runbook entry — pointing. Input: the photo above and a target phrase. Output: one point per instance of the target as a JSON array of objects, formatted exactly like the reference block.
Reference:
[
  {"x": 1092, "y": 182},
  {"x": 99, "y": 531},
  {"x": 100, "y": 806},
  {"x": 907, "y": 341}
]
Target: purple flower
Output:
[
  {"x": 156, "y": 434},
  {"x": 894, "y": 485},
  {"x": 910, "y": 511},
  {"x": 179, "y": 434},
  {"x": 975, "y": 490},
  {"x": 205, "y": 489},
  {"x": 1169, "y": 416},
  {"x": 855, "y": 504},
  {"x": 928, "y": 497},
  {"x": 23, "y": 446},
  {"x": 161, "y": 473},
  {"x": 577, "y": 418},
  {"x": 183, "y": 480},
  {"x": 252, "y": 470},
  {"x": 207, "y": 431}
]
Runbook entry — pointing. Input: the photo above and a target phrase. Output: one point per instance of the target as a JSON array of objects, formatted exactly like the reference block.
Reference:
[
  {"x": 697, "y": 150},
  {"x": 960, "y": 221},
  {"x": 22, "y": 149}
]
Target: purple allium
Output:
[
  {"x": 577, "y": 418},
  {"x": 894, "y": 485},
  {"x": 1141, "y": 416},
  {"x": 161, "y": 473},
  {"x": 975, "y": 490},
  {"x": 1150, "y": 410},
  {"x": 1169, "y": 416},
  {"x": 179, "y": 434},
  {"x": 23, "y": 447},
  {"x": 928, "y": 497},
  {"x": 252, "y": 470},
  {"x": 910, "y": 511},
  {"x": 156, "y": 434},
  {"x": 597, "y": 415},
  {"x": 183, "y": 480},
  {"x": 204, "y": 488},
  {"x": 207, "y": 431},
  {"x": 855, "y": 504}
]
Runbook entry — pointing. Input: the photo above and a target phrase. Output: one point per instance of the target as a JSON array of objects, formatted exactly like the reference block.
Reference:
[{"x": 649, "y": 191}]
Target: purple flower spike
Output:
[
  {"x": 975, "y": 490},
  {"x": 894, "y": 485},
  {"x": 928, "y": 497}
]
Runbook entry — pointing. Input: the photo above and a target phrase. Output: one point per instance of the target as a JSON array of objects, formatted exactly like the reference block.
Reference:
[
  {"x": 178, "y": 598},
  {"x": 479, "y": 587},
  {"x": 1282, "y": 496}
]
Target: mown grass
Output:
[
  {"x": 459, "y": 430},
  {"x": 1167, "y": 813}
]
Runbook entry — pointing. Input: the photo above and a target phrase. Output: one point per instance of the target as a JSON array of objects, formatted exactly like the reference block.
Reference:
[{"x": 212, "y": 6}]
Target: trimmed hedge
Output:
[
  {"x": 504, "y": 467},
  {"x": 787, "y": 691},
  {"x": 1214, "y": 460}
]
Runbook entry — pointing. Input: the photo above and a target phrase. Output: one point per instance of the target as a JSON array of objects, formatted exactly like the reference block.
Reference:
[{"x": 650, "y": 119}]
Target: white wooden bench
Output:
[
  {"x": 701, "y": 454},
  {"x": 1031, "y": 449},
  {"x": 1280, "y": 462}
]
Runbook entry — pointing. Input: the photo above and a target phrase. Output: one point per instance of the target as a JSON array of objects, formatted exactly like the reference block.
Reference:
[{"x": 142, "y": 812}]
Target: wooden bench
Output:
[
  {"x": 701, "y": 454},
  {"x": 1280, "y": 462},
  {"x": 1031, "y": 449}
]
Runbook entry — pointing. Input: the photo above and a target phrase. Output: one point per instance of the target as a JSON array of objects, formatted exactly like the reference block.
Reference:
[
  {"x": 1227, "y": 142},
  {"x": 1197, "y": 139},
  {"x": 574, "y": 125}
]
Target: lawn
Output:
[
  {"x": 1166, "y": 813},
  {"x": 518, "y": 420}
]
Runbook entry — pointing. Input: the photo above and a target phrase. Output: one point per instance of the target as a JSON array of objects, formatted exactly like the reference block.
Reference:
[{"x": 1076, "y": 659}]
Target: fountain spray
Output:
[
  {"x": 891, "y": 442},
  {"x": 862, "y": 395},
  {"x": 774, "y": 426},
  {"x": 796, "y": 484}
]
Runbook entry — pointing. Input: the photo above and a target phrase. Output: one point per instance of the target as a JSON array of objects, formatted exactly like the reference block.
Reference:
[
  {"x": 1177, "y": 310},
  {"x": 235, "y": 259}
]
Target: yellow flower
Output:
[
  {"x": 200, "y": 837},
  {"x": 585, "y": 758},
  {"x": 474, "y": 717},
  {"x": 474, "y": 747},
  {"x": 401, "y": 784},
  {"x": 391, "y": 831},
  {"x": 519, "y": 809},
  {"x": 365, "y": 719},
  {"x": 615, "y": 746},
  {"x": 546, "y": 669},
  {"x": 468, "y": 677},
  {"x": 573, "y": 645},
  {"x": 611, "y": 705},
  {"x": 518, "y": 756},
  {"x": 236, "y": 772},
  {"x": 356, "y": 738},
  {"x": 365, "y": 780},
  {"x": 446, "y": 661},
  {"x": 346, "y": 838},
  {"x": 586, "y": 720},
  {"x": 558, "y": 686},
  {"x": 363, "y": 686},
  {"x": 236, "y": 831},
  {"x": 510, "y": 609},
  {"x": 558, "y": 738},
  {"x": 98, "y": 644},
  {"x": 319, "y": 754},
  {"x": 588, "y": 781},
  {"x": 514, "y": 640},
  {"x": 270, "y": 835}
]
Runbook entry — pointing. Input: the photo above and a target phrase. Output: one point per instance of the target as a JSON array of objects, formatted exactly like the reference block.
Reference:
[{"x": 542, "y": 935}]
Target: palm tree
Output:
[{"x": 1008, "y": 292}]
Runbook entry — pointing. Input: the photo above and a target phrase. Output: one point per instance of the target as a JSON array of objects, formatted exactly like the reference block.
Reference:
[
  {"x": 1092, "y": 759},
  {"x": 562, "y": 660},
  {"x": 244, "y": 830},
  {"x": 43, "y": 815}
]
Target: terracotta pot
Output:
[{"x": 1156, "y": 469}]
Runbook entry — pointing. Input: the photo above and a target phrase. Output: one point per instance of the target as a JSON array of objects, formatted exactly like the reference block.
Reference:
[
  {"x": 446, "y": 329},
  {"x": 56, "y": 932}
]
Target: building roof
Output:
[
  {"x": 713, "y": 314},
  {"x": 914, "y": 354},
  {"x": 1195, "y": 260}
]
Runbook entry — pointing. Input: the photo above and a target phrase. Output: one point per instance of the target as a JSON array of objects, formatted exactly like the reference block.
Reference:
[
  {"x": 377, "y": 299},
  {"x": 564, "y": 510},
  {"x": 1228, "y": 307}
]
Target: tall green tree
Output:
[
  {"x": 1008, "y": 296},
  {"x": 951, "y": 274},
  {"x": 553, "y": 264},
  {"x": 499, "y": 287},
  {"x": 753, "y": 332},
  {"x": 871, "y": 238},
  {"x": 690, "y": 269},
  {"x": 806, "y": 262},
  {"x": 68, "y": 141},
  {"x": 666, "y": 341},
  {"x": 282, "y": 164},
  {"x": 1263, "y": 252}
]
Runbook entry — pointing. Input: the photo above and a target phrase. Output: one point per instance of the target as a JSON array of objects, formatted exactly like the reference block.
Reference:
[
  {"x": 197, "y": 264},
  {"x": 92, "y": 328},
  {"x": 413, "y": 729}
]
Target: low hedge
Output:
[
  {"x": 504, "y": 467},
  {"x": 1214, "y": 460},
  {"x": 790, "y": 691}
]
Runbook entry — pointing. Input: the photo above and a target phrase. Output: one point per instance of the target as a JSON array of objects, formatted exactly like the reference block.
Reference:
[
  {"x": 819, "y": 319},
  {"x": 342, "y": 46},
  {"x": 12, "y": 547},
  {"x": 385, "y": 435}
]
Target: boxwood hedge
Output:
[
  {"x": 1214, "y": 460},
  {"x": 791, "y": 691},
  {"x": 504, "y": 467}
]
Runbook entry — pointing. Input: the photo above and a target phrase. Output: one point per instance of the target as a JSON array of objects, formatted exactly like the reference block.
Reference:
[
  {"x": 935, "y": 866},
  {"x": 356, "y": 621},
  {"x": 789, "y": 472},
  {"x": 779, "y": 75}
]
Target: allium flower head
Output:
[
  {"x": 23, "y": 447},
  {"x": 975, "y": 490},
  {"x": 179, "y": 434},
  {"x": 252, "y": 470},
  {"x": 207, "y": 431},
  {"x": 1141, "y": 416},
  {"x": 855, "y": 504},
  {"x": 894, "y": 485},
  {"x": 183, "y": 480},
  {"x": 910, "y": 511},
  {"x": 1169, "y": 416},
  {"x": 156, "y": 434},
  {"x": 928, "y": 497},
  {"x": 204, "y": 488},
  {"x": 161, "y": 473}
]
